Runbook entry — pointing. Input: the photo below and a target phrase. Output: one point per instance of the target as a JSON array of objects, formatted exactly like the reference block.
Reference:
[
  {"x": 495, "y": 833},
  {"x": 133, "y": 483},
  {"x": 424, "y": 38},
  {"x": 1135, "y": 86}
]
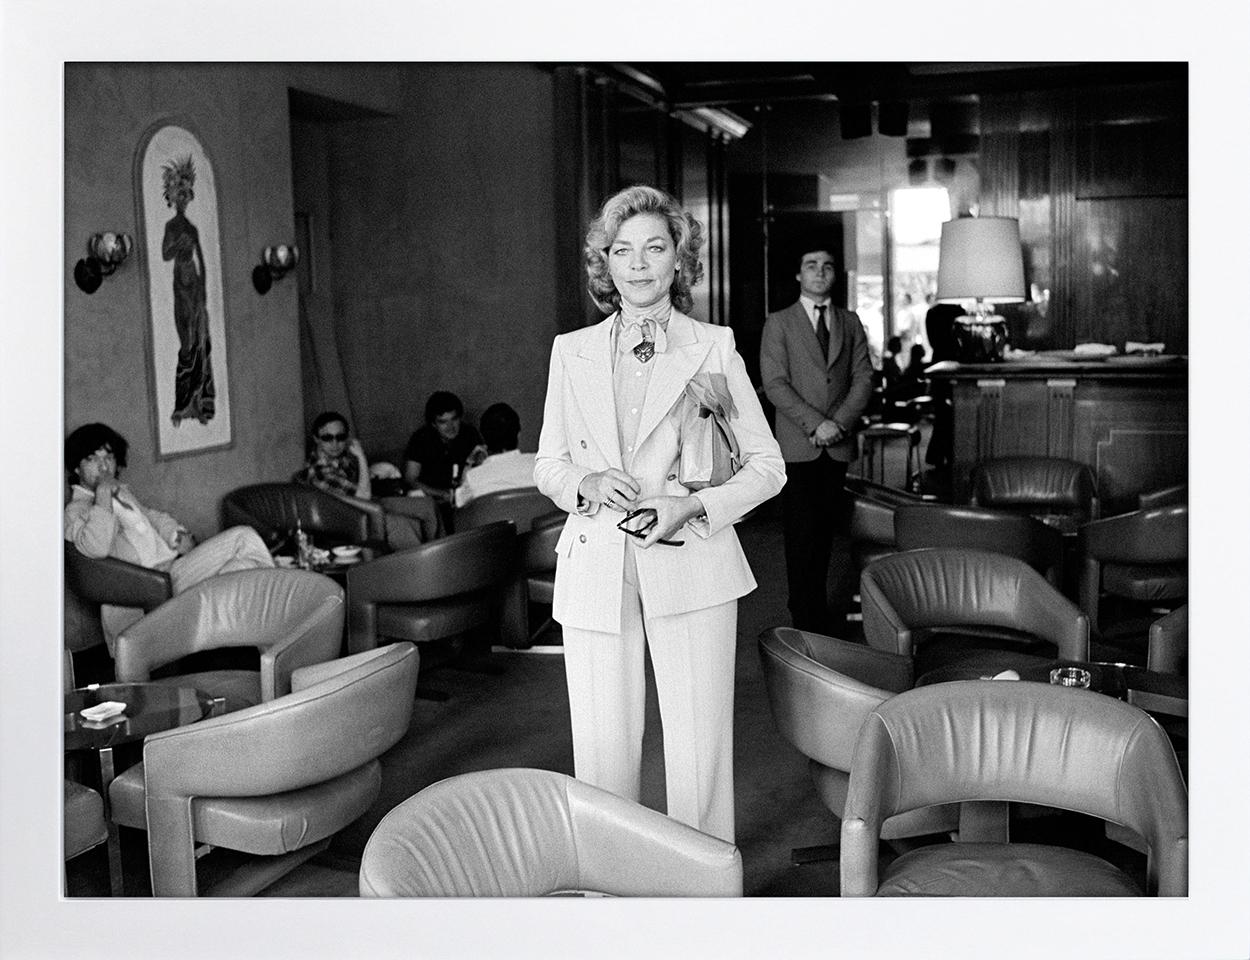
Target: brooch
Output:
[{"x": 645, "y": 350}]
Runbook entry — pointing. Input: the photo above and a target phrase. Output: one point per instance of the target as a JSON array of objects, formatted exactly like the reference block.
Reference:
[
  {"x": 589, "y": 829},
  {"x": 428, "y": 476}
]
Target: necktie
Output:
[{"x": 822, "y": 331}]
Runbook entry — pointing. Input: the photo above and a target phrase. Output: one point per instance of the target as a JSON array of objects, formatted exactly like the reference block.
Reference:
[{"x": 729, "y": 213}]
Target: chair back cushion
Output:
[
  {"x": 524, "y": 833},
  {"x": 998, "y": 531},
  {"x": 522, "y": 506},
  {"x": 272, "y": 509},
  {"x": 1024, "y": 742},
  {"x": 952, "y": 587},
  {"x": 1039, "y": 484}
]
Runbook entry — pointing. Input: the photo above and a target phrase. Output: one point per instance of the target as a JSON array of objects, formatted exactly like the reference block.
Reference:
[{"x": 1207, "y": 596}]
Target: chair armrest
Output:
[
  {"x": 1164, "y": 497},
  {"x": 109, "y": 580},
  {"x": 1159, "y": 535},
  {"x": 315, "y": 639},
  {"x": 1169, "y": 641},
  {"x": 871, "y": 521},
  {"x": 1048, "y": 614},
  {"x": 627, "y": 849},
  {"x": 304, "y": 677},
  {"x": 884, "y": 629},
  {"x": 821, "y": 689}
]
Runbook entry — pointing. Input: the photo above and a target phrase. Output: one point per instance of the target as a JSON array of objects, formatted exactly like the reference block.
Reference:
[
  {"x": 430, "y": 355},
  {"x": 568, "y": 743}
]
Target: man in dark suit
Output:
[{"x": 815, "y": 368}]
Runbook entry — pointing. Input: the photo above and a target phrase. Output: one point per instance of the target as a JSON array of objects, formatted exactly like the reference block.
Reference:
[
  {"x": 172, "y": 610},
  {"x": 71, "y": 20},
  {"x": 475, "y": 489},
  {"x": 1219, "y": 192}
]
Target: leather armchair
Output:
[
  {"x": 272, "y": 510},
  {"x": 1021, "y": 742},
  {"x": 294, "y": 618},
  {"x": 276, "y": 780},
  {"x": 947, "y": 605},
  {"x": 529, "y": 833},
  {"x": 438, "y": 590},
  {"x": 1142, "y": 556},
  {"x": 871, "y": 521},
  {"x": 91, "y": 582},
  {"x": 1039, "y": 486},
  {"x": 522, "y": 506},
  {"x": 821, "y": 690},
  {"x": 917, "y": 526},
  {"x": 1168, "y": 649}
]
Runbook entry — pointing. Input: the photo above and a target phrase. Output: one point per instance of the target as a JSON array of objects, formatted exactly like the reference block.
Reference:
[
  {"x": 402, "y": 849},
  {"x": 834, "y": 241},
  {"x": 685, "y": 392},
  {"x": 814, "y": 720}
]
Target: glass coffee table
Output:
[{"x": 150, "y": 708}]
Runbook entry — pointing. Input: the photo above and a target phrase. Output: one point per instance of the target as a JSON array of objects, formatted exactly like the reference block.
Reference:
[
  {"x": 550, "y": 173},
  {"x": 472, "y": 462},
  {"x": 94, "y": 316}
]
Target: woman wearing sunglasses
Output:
[
  {"x": 643, "y": 561},
  {"x": 336, "y": 463}
]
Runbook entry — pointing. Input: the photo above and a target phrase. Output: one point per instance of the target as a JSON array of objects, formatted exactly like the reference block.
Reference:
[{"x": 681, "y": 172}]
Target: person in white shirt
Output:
[
  {"x": 105, "y": 519},
  {"x": 505, "y": 467}
]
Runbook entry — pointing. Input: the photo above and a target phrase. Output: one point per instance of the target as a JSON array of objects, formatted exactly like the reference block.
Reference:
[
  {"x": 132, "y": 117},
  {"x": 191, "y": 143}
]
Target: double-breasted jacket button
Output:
[
  {"x": 582, "y": 538},
  {"x": 671, "y": 476},
  {"x": 583, "y": 444}
]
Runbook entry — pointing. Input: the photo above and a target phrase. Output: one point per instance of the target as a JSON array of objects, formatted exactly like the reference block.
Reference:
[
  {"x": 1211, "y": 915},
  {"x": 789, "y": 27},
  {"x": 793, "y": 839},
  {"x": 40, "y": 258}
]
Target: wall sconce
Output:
[
  {"x": 275, "y": 263},
  {"x": 105, "y": 253}
]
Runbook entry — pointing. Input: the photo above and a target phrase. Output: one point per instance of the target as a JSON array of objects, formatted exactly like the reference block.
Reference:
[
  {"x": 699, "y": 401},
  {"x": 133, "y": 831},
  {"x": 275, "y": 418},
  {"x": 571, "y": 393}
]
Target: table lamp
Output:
[{"x": 980, "y": 260}]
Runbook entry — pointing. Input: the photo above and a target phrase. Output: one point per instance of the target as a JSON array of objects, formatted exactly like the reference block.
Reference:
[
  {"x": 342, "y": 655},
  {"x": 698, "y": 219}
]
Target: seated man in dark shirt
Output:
[{"x": 438, "y": 452}]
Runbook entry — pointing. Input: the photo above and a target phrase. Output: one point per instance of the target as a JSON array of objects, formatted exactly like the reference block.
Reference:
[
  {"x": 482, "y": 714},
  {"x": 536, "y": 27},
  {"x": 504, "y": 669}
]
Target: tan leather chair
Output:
[
  {"x": 276, "y": 780},
  {"x": 537, "y": 551},
  {"x": 293, "y": 617},
  {"x": 917, "y": 526},
  {"x": 522, "y": 506},
  {"x": 1038, "y": 486},
  {"x": 532, "y": 833},
  {"x": 954, "y": 605},
  {"x": 90, "y": 582},
  {"x": 1142, "y": 556},
  {"x": 272, "y": 510},
  {"x": 1168, "y": 650},
  {"x": 438, "y": 590},
  {"x": 1065, "y": 748},
  {"x": 820, "y": 690}
]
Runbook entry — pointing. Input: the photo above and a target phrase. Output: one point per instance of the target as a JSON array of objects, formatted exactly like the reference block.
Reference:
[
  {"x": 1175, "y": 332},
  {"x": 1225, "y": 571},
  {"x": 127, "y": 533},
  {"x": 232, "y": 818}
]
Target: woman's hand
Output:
[
  {"x": 671, "y": 514},
  {"x": 611, "y": 487}
]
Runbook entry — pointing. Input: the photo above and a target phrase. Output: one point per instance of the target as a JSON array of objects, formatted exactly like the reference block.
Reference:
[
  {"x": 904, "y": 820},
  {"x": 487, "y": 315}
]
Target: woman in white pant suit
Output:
[{"x": 609, "y": 446}]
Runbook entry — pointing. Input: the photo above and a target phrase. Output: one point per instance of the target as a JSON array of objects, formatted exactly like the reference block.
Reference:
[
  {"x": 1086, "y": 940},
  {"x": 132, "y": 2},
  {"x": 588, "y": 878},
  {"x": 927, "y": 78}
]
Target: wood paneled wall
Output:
[{"x": 1098, "y": 178}]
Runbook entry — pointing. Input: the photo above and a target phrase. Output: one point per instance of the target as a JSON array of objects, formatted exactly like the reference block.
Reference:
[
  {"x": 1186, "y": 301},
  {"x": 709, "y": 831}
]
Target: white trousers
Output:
[
  {"x": 693, "y": 658},
  {"x": 238, "y": 548}
]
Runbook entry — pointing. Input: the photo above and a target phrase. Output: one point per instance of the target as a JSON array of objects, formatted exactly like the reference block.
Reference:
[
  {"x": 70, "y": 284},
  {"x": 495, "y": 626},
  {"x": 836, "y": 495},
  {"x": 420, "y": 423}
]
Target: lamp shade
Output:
[{"x": 980, "y": 259}]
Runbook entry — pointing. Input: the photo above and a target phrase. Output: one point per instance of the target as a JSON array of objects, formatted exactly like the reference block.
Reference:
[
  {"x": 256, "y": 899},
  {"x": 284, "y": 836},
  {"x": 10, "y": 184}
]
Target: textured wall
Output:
[
  {"x": 444, "y": 241},
  {"x": 240, "y": 115}
]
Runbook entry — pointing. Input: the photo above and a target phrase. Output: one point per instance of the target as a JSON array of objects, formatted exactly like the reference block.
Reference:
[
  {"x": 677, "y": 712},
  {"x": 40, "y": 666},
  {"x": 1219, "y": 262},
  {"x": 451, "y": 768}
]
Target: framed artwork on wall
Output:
[{"x": 176, "y": 189}]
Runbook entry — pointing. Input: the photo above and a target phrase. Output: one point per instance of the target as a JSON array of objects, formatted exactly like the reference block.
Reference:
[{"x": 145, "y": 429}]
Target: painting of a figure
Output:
[
  {"x": 187, "y": 319},
  {"x": 194, "y": 393}
]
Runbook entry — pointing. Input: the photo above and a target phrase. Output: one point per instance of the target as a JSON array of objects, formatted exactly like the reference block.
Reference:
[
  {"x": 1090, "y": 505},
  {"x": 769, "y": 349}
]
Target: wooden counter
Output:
[{"x": 1127, "y": 420}]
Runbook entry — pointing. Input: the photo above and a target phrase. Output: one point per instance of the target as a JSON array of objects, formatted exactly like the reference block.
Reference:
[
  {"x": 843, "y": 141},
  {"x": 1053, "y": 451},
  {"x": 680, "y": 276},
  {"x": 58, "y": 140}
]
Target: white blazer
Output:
[{"x": 579, "y": 437}]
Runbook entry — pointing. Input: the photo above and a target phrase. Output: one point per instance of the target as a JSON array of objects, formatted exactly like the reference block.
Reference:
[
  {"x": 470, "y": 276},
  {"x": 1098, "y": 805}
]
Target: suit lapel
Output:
[
  {"x": 590, "y": 379},
  {"x": 682, "y": 356},
  {"x": 837, "y": 332}
]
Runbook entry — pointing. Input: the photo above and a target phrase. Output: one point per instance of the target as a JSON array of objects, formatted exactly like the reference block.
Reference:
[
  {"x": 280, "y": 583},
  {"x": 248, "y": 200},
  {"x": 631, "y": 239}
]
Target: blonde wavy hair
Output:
[{"x": 686, "y": 231}]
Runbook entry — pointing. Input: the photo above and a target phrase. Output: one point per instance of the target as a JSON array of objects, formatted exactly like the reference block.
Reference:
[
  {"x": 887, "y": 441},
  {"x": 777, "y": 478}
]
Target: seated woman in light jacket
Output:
[{"x": 610, "y": 446}]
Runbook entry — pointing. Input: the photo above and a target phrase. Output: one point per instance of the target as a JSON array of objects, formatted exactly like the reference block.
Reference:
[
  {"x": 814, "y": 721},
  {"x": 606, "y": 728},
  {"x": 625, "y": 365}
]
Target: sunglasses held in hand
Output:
[{"x": 646, "y": 522}]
